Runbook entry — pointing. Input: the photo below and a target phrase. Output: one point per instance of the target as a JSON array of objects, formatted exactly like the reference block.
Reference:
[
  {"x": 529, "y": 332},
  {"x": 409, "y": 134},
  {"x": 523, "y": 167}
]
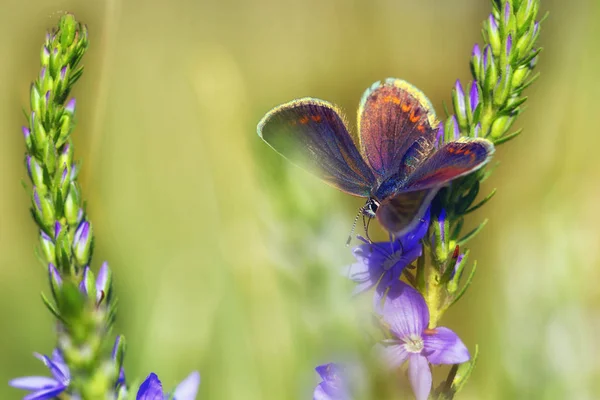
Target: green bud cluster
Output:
[
  {"x": 83, "y": 304},
  {"x": 502, "y": 69}
]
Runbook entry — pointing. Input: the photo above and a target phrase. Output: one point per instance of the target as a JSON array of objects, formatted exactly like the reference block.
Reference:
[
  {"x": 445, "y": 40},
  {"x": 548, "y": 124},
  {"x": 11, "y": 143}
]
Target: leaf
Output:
[
  {"x": 508, "y": 137},
  {"x": 530, "y": 81},
  {"x": 465, "y": 287},
  {"x": 482, "y": 202},
  {"x": 464, "y": 372},
  {"x": 472, "y": 234},
  {"x": 51, "y": 307}
]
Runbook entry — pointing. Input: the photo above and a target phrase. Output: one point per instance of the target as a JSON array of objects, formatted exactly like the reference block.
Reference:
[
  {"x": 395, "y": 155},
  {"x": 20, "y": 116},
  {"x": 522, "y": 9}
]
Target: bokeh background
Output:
[{"x": 227, "y": 258}]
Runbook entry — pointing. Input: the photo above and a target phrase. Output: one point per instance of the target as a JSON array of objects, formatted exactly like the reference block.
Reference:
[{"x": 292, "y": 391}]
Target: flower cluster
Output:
[
  {"x": 418, "y": 276},
  {"x": 44, "y": 388}
]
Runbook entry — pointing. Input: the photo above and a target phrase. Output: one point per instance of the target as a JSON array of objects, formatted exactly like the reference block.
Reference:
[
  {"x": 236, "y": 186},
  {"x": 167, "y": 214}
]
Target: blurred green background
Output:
[{"x": 227, "y": 258}]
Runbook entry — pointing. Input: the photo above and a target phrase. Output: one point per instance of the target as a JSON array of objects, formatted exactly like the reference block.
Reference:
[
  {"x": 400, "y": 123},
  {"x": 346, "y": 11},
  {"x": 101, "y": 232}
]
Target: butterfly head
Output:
[{"x": 370, "y": 208}]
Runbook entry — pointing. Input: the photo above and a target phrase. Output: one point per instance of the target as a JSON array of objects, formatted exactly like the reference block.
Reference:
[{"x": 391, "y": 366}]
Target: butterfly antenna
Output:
[
  {"x": 360, "y": 210},
  {"x": 366, "y": 223}
]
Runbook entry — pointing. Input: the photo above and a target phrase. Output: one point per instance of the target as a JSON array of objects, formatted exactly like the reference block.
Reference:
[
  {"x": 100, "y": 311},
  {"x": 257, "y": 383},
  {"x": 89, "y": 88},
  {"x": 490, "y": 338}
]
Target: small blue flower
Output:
[
  {"x": 45, "y": 388},
  {"x": 42, "y": 387},
  {"x": 151, "y": 388},
  {"x": 381, "y": 264},
  {"x": 334, "y": 385}
]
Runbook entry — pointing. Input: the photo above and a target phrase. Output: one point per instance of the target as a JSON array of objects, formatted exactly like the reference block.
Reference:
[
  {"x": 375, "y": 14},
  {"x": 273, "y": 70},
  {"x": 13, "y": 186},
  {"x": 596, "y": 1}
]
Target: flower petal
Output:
[
  {"x": 413, "y": 237},
  {"x": 150, "y": 389},
  {"x": 33, "y": 383},
  {"x": 419, "y": 375},
  {"x": 59, "y": 371},
  {"x": 59, "y": 362},
  {"x": 188, "y": 388},
  {"x": 321, "y": 392},
  {"x": 443, "y": 346},
  {"x": 405, "y": 311},
  {"x": 46, "y": 394},
  {"x": 393, "y": 355},
  {"x": 329, "y": 371}
]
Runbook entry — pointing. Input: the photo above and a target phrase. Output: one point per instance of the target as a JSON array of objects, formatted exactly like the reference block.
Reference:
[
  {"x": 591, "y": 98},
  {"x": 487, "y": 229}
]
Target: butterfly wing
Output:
[
  {"x": 451, "y": 161},
  {"x": 401, "y": 213},
  {"x": 392, "y": 116},
  {"x": 312, "y": 134}
]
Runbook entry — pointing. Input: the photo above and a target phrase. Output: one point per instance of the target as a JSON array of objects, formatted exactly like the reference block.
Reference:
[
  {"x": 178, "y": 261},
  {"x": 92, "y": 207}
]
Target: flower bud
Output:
[
  {"x": 504, "y": 87},
  {"x": 525, "y": 14},
  {"x": 476, "y": 61},
  {"x": 54, "y": 62},
  {"x": 451, "y": 130},
  {"x": 457, "y": 271},
  {"x": 39, "y": 133},
  {"x": 507, "y": 20},
  {"x": 43, "y": 209},
  {"x": 493, "y": 34},
  {"x": 47, "y": 246},
  {"x": 118, "y": 355},
  {"x": 103, "y": 284},
  {"x": 439, "y": 240},
  {"x": 67, "y": 29},
  {"x": 70, "y": 107},
  {"x": 45, "y": 56},
  {"x": 87, "y": 284},
  {"x": 458, "y": 100},
  {"x": 491, "y": 73},
  {"x": 500, "y": 126},
  {"x": 82, "y": 243},
  {"x": 65, "y": 129},
  {"x": 35, "y": 98},
  {"x": 72, "y": 204},
  {"x": 27, "y": 136},
  {"x": 473, "y": 102},
  {"x": 35, "y": 171},
  {"x": 55, "y": 279},
  {"x": 50, "y": 156},
  {"x": 526, "y": 42}
]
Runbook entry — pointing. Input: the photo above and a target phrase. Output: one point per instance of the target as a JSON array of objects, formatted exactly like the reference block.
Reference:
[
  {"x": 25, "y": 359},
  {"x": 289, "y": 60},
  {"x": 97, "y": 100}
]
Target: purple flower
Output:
[
  {"x": 45, "y": 388},
  {"x": 406, "y": 313},
  {"x": 42, "y": 387},
  {"x": 381, "y": 264},
  {"x": 151, "y": 388},
  {"x": 334, "y": 385}
]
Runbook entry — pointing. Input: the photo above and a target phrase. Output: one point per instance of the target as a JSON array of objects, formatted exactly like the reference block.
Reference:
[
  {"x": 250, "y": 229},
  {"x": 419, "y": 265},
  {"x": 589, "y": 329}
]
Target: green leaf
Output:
[
  {"x": 463, "y": 290},
  {"x": 481, "y": 203},
  {"x": 472, "y": 234},
  {"x": 508, "y": 137},
  {"x": 464, "y": 372},
  {"x": 51, "y": 307}
]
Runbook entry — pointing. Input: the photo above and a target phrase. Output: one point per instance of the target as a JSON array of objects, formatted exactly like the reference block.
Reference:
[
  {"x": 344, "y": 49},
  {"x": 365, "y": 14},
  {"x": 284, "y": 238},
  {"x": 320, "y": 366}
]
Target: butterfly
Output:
[{"x": 397, "y": 166}]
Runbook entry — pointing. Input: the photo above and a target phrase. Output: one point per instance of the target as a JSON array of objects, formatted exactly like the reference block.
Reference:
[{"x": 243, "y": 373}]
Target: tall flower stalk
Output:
[
  {"x": 86, "y": 363},
  {"x": 83, "y": 305},
  {"x": 502, "y": 68}
]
